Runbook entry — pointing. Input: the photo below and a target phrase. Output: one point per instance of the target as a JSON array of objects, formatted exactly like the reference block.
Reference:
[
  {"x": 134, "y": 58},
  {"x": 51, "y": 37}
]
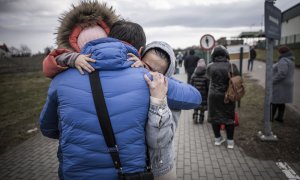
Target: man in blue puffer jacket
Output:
[{"x": 70, "y": 116}]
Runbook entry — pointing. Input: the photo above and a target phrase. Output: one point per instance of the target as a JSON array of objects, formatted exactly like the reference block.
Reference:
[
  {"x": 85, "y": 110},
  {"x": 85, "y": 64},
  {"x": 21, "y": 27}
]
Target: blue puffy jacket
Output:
[{"x": 70, "y": 116}]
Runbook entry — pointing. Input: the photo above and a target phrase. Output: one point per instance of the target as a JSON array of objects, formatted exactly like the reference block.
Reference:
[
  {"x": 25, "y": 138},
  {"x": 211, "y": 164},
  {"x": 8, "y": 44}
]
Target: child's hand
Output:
[
  {"x": 81, "y": 62},
  {"x": 137, "y": 63}
]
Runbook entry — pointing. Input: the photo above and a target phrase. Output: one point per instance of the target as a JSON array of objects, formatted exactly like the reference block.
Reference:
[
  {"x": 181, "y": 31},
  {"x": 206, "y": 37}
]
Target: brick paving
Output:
[{"x": 197, "y": 157}]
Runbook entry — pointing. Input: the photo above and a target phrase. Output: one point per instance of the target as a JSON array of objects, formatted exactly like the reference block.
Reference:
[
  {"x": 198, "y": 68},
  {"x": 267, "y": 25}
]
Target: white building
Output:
[
  {"x": 290, "y": 27},
  {"x": 4, "y": 51}
]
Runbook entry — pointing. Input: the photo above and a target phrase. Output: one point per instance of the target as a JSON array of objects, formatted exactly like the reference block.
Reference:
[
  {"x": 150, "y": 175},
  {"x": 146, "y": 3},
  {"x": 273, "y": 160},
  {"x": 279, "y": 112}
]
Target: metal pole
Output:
[
  {"x": 268, "y": 135},
  {"x": 241, "y": 67},
  {"x": 268, "y": 85},
  {"x": 207, "y": 57}
]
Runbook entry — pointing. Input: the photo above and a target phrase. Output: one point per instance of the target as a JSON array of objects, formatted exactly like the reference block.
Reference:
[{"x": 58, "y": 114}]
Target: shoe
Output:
[
  {"x": 219, "y": 141},
  {"x": 201, "y": 119},
  {"x": 230, "y": 144}
]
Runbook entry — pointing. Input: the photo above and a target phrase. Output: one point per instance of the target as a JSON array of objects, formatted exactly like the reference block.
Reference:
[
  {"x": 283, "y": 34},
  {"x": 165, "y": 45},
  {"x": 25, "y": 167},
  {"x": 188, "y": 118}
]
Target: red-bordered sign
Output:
[{"x": 207, "y": 42}]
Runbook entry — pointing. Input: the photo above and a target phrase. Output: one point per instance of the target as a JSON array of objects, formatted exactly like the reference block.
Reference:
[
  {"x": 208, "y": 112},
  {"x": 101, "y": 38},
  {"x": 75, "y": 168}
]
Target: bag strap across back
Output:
[{"x": 105, "y": 123}]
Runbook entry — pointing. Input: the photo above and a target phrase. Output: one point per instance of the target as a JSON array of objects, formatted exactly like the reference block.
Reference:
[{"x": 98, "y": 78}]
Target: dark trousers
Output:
[
  {"x": 189, "y": 76},
  {"x": 280, "y": 114},
  {"x": 250, "y": 64},
  {"x": 199, "y": 116},
  {"x": 229, "y": 130}
]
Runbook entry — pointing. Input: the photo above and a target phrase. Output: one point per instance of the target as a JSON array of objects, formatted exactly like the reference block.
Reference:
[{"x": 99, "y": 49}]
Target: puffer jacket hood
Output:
[
  {"x": 87, "y": 13},
  {"x": 168, "y": 49}
]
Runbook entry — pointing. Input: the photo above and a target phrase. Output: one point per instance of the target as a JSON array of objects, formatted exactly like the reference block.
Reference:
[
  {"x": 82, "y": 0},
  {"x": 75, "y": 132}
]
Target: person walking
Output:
[
  {"x": 252, "y": 57},
  {"x": 179, "y": 57},
  {"x": 283, "y": 82},
  {"x": 190, "y": 64},
  {"x": 220, "y": 112},
  {"x": 200, "y": 81}
]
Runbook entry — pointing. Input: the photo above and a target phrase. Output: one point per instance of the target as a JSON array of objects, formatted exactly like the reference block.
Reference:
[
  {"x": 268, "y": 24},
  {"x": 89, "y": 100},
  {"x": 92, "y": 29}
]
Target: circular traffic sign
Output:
[{"x": 207, "y": 42}]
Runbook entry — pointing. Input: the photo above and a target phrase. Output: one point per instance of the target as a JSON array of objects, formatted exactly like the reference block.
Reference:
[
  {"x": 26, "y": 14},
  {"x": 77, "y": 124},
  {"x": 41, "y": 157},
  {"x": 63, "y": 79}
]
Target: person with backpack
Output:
[
  {"x": 219, "y": 111},
  {"x": 201, "y": 83}
]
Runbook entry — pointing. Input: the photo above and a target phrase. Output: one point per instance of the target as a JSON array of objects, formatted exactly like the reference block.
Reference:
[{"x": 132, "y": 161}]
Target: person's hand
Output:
[
  {"x": 137, "y": 62},
  {"x": 81, "y": 63},
  {"x": 159, "y": 86}
]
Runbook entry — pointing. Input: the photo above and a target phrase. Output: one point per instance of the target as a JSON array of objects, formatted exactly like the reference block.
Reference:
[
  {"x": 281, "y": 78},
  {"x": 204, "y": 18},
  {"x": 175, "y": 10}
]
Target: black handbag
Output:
[{"x": 108, "y": 133}]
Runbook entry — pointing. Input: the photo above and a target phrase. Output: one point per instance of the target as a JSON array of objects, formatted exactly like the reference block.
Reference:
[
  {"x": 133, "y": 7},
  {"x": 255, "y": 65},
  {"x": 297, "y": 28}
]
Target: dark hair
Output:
[
  {"x": 192, "y": 52},
  {"x": 129, "y": 32},
  {"x": 162, "y": 54}
]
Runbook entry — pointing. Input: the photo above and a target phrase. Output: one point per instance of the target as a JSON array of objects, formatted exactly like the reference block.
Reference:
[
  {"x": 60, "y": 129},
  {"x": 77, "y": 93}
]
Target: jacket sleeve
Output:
[
  {"x": 67, "y": 59},
  {"x": 48, "y": 117},
  {"x": 283, "y": 68},
  {"x": 50, "y": 66},
  {"x": 182, "y": 96},
  {"x": 161, "y": 125}
]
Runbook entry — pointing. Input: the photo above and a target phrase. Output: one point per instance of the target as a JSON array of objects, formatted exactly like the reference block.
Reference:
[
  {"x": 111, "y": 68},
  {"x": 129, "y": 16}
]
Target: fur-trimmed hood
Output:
[{"x": 87, "y": 13}]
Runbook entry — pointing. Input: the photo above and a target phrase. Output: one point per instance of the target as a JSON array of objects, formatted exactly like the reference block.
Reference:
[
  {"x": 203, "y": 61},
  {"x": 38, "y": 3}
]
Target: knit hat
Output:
[
  {"x": 283, "y": 49},
  {"x": 168, "y": 49},
  {"x": 201, "y": 63},
  {"x": 89, "y": 34}
]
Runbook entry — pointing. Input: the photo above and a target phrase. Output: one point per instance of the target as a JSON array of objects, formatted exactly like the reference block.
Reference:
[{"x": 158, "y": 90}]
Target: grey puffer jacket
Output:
[
  {"x": 218, "y": 111},
  {"x": 283, "y": 79}
]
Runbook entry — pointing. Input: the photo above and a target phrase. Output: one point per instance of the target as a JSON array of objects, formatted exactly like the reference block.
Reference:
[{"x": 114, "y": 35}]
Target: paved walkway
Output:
[{"x": 197, "y": 157}]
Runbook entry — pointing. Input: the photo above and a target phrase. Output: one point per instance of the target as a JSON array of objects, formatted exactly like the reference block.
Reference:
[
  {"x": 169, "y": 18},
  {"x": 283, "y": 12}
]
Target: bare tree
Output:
[
  {"x": 25, "y": 50},
  {"x": 14, "y": 51}
]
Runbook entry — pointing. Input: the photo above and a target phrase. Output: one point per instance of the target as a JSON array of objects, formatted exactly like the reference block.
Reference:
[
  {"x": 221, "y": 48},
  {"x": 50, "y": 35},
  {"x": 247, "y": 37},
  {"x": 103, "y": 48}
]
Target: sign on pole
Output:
[
  {"x": 272, "y": 21},
  {"x": 207, "y": 42},
  {"x": 272, "y": 31}
]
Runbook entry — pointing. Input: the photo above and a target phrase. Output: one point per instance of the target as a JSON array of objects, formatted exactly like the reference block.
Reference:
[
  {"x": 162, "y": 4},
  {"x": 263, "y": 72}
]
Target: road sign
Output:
[
  {"x": 207, "y": 42},
  {"x": 272, "y": 21}
]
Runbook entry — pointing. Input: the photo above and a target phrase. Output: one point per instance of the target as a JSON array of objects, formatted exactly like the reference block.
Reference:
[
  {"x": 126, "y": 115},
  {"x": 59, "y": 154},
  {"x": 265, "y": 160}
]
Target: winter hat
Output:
[
  {"x": 219, "y": 51},
  {"x": 87, "y": 13},
  {"x": 89, "y": 34},
  {"x": 283, "y": 49},
  {"x": 201, "y": 63},
  {"x": 168, "y": 49}
]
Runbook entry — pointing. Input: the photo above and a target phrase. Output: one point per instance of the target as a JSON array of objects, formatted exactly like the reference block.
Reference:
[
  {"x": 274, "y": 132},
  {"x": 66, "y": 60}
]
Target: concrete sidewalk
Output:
[{"x": 197, "y": 157}]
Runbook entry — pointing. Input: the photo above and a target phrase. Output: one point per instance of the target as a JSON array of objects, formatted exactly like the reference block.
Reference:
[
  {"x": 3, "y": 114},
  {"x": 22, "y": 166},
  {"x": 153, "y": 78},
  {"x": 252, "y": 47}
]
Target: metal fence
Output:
[{"x": 293, "y": 39}]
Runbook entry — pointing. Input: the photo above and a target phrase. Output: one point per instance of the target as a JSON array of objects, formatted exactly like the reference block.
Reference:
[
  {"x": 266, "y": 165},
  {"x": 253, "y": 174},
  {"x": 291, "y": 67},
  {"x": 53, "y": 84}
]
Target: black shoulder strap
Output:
[{"x": 104, "y": 119}]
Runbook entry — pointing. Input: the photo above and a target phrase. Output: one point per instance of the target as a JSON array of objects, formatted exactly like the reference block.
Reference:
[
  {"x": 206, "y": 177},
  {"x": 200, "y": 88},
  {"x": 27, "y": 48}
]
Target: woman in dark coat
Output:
[
  {"x": 200, "y": 81},
  {"x": 218, "y": 111},
  {"x": 283, "y": 82}
]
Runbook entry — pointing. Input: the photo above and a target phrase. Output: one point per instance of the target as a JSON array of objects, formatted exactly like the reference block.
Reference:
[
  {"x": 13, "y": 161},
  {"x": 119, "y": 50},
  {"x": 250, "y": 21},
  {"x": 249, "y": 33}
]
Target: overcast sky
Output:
[{"x": 181, "y": 23}]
